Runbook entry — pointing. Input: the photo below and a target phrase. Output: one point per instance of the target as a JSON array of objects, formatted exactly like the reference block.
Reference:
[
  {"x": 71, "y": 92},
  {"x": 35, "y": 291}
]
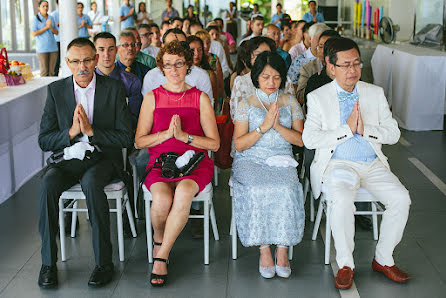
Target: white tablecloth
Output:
[
  {"x": 21, "y": 109},
  {"x": 414, "y": 81}
]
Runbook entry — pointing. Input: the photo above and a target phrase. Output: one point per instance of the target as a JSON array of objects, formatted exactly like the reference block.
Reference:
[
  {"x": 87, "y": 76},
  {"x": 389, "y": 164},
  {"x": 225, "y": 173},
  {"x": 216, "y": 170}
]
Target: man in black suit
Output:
[{"x": 82, "y": 108}]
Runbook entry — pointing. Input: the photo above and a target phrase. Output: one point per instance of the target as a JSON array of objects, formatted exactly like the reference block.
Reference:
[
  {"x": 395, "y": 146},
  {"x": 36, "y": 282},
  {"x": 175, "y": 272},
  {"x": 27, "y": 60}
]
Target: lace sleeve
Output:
[
  {"x": 296, "y": 109},
  {"x": 241, "y": 113},
  {"x": 236, "y": 97},
  {"x": 289, "y": 89}
]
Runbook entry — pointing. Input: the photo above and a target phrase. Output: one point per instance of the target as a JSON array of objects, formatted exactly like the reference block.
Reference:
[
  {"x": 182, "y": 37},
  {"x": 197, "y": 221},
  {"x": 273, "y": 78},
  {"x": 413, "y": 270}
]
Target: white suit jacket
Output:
[{"x": 323, "y": 131}]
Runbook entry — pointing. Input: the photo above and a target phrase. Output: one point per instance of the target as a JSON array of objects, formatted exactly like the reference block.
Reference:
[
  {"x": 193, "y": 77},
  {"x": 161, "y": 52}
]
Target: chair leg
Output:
[
  {"x": 214, "y": 222},
  {"x": 130, "y": 215},
  {"x": 318, "y": 219},
  {"x": 290, "y": 252},
  {"x": 374, "y": 221},
  {"x": 311, "y": 206},
  {"x": 215, "y": 176},
  {"x": 120, "y": 229},
  {"x": 62, "y": 231},
  {"x": 327, "y": 233},
  {"x": 306, "y": 186},
  {"x": 234, "y": 234},
  {"x": 135, "y": 189},
  {"x": 206, "y": 232},
  {"x": 74, "y": 219},
  {"x": 148, "y": 230}
]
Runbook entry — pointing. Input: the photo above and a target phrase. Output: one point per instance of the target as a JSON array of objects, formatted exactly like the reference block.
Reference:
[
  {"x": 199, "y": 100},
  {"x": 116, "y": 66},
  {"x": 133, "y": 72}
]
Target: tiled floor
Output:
[{"x": 421, "y": 253}]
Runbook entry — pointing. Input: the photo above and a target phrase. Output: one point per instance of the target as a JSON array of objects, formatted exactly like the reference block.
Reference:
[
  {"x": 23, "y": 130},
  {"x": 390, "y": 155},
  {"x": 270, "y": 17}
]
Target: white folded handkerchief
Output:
[
  {"x": 281, "y": 161},
  {"x": 77, "y": 151},
  {"x": 184, "y": 159}
]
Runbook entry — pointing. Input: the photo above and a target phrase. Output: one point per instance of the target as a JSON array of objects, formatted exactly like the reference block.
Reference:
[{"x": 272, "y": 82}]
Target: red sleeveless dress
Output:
[{"x": 187, "y": 107}]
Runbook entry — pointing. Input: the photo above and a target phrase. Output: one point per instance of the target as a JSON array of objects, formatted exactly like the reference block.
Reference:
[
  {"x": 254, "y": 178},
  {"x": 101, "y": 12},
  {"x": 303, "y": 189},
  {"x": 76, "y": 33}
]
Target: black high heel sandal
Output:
[{"x": 163, "y": 277}]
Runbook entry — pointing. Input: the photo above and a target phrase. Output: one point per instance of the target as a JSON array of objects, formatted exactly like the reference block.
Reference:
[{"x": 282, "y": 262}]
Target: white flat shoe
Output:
[
  {"x": 281, "y": 271},
  {"x": 266, "y": 272}
]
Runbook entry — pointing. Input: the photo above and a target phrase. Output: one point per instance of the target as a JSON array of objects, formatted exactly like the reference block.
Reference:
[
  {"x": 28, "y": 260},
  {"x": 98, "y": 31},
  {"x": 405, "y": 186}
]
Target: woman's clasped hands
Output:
[
  {"x": 175, "y": 130},
  {"x": 271, "y": 119}
]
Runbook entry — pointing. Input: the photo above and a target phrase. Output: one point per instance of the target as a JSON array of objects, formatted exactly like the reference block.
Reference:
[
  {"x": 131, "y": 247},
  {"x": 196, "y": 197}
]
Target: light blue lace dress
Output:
[{"x": 269, "y": 207}]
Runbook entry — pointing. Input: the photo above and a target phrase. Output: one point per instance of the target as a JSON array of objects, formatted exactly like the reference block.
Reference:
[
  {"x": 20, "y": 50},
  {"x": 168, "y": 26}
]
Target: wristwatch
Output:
[
  {"x": 259, "y": 130},
  {"x": 190, "y": 139}
]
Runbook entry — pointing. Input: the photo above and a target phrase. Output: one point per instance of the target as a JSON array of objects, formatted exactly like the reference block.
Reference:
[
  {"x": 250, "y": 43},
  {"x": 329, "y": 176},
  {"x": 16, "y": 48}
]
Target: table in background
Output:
[
  {"x": 21, "y": 109},
  {"x": 414, "y": 81}
]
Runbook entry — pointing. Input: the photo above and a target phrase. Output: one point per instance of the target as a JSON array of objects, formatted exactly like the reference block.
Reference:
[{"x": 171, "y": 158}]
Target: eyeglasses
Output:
[
  {"x": 356, "y": 65},
  {"x": 126, "y": 45},
  {"x": 177, "y": 65},
  {"x": 77, "y": 62}
]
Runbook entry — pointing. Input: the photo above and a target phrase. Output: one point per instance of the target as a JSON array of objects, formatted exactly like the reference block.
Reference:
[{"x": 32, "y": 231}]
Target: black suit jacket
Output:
[{"x": 112, "y": 124}]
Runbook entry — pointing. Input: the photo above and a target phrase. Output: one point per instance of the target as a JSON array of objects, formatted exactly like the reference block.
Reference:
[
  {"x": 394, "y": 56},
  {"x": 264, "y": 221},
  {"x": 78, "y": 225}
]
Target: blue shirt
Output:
[
  {"x": 55, "y": 15},
  {"x": 45, "y": 42},
  {"x": 275, "y": 18},
  {"x": 355, "y": 148},
  {"x": 297, "y": 63},
  {"x": 286, "y": 57},
  {"x": 130, "y": 21},
  {"x": 308, "y": 17},
  {"x": 132, "y": 89},
  {"x": 83, "y": 32},
  {"x": 137, "y": 68}
]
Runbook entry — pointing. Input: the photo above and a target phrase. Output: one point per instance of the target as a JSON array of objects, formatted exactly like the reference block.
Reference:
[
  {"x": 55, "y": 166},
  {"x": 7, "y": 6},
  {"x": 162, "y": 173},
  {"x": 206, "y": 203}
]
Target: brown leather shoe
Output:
[
  {"x": 344, "y": 278},
  {"x": 394, "y": 273}
]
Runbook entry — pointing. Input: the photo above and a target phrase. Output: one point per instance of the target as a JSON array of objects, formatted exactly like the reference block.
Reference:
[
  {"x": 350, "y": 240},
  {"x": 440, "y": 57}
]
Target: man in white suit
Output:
[{"x": 347, "y": 122}]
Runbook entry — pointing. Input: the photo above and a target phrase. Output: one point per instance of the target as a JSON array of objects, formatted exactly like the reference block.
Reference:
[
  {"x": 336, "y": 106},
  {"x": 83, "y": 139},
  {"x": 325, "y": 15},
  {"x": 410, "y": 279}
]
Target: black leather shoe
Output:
[
  {"x": 48, "y": 277},
  {"x": 101, "y": 276}
]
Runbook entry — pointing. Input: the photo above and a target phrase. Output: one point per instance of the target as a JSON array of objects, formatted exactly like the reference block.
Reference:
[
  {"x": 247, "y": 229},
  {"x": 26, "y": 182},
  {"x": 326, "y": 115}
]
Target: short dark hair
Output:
[
  {"x": 339, "y": 44},
  {"x": 272, "y": 59},
  {"x": 105, "y": 35},
  {"x": 278, "y": 4},
  {"x": 195, "y": 24},
  {"x": 309, "y": 2},
  {"x": 257, "y": 17},
  {"x": 144, "y": 26},
  {"x": 91, "y": 4},
  {"x": 218, "y": 19},
  {"x": 255, "y": 4},
  {"x": 79, "y": 3},
  {"x": 165, "y": 23},
  {"x": 329, "y": 33},
  {"x": 175, "y": 31},
  {"x": 153, "y": 25},
  {"x": 306, "y": 27},
  {"x": 176, "y": 19},
  {"x": 254, "y": 43},
  {"x": 81, "y": 42}
]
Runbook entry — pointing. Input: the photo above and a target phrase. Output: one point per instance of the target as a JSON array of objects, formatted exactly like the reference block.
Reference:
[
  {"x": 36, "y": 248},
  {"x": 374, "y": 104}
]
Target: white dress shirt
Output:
[
  {"x": 197, "y": 78},
  {"x": 87, "y": 102}
]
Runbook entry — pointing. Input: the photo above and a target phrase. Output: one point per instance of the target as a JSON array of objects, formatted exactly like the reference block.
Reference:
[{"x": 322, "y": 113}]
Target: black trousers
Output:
[{"x": 93, "y": 177}]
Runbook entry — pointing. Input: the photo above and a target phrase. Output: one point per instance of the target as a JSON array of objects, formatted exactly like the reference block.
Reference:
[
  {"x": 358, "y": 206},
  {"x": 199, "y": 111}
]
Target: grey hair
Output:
[
  {"x": 126, "y": 33},
  {"x": 317, "y": 28}
]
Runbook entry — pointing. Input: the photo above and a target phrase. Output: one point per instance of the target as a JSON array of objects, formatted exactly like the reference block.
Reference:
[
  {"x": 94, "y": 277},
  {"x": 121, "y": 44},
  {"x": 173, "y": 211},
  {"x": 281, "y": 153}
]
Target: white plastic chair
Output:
[
  {"x": 362, "y": 195},
  {"x": 233, "y": 228},
  {"x": 114, "y": 191},
  {"x": 204, "y": 196}
]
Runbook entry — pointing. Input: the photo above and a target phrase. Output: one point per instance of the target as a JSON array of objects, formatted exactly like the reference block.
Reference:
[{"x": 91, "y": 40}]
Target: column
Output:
[
  {"x": 116, "y": 21},
  {"x": 68, "y": 30}
]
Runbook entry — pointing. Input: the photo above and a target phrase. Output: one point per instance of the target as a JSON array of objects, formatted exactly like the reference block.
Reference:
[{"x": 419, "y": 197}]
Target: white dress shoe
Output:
[
  {"x": 281, "y": 271},
  {"x": 266, "y": 272}
]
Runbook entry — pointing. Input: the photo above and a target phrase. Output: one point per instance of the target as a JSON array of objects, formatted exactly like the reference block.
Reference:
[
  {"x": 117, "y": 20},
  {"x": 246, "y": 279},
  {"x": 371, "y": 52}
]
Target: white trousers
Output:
[{"x": 340, "y": 183}]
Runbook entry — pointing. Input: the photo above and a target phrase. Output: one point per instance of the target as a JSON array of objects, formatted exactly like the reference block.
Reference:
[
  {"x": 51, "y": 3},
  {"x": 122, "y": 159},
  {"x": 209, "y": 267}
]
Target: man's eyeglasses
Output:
[
  {"x": 356, "y": 65},
  {"x": 126, "y": 45},
  {"x": 77, "y": 62},
  {"x": 177, "y": 65}
]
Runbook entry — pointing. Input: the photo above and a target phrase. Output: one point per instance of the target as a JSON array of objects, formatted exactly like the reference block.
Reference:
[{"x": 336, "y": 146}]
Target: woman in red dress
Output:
[{"x": 175, "y": 117}]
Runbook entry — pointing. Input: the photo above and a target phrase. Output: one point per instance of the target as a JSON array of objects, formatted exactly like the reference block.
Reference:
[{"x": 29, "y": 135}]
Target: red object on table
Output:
[{"x": 4, "y": 64}]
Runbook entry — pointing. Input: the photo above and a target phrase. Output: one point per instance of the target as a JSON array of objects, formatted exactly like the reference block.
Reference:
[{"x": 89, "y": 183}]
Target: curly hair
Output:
[{"x": 175, "y": 47}]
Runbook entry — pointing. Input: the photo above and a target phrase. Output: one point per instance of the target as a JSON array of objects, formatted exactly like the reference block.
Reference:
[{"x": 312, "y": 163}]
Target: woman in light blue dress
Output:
[{"x": 268, "y": 198}]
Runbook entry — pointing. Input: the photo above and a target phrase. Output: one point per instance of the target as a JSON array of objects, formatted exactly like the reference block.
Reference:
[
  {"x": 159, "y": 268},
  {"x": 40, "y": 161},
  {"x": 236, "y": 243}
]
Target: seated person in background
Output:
[
  {"x": 155, "y": 43},
  {"x": 313, "y": 15},
  {"x": 309, "y": 55},
  {"x": 229, "y": 39},
  {"x": 83, "y": 108},
  {"x": 255, "y": 28},
  {"x": 213, "y": 60},
  {"x": 274, "y": 33},
  {"x": 268, "y": 198},
  {"x": 176, "y": 22},
  {"x": 304, "y": 43},
  {"x": 215, "y": 33},
  {"x": 215, "y": 47},
  {"x": 194, "y": 27},
  {"x": 141, "y": 57},
  {"x": 296, "y": 35},
  {"x": 127, "y": 55},
  {"x": 241, "y": 64},
  {"x": 347, "y": 123},
  {"x": 286, "y": 33},
  {"x": 201, "y": 60},
  {"x": 147, "y": 36},
  {"x": 105, "y": 44},
  {"x": 314, "y": 66},
  {"x": 174, "y": 117},
  {"x": 197, "y": 76},
  {"x": 186, "y": 26},
  {"x": 165, "y": 25}
]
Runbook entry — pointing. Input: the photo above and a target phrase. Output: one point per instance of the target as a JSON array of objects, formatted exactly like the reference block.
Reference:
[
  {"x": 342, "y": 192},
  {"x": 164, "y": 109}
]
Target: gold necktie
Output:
[{"x": 127, "y": 69}]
